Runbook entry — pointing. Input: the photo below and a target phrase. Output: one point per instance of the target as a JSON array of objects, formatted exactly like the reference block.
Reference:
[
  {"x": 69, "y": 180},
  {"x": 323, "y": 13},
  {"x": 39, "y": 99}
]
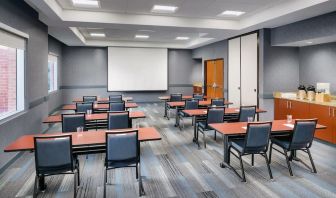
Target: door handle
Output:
[
  {"x": 238, "y": 88},
  {"x": 255, "y": 90}
]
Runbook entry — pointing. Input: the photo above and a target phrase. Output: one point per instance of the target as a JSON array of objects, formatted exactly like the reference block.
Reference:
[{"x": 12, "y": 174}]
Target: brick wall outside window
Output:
[{"x": 7, "y": 80}]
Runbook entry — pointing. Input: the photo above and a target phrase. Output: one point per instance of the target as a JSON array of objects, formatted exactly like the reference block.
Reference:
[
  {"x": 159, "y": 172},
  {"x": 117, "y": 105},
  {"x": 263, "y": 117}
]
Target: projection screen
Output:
[{"x": 137, "y": 69}]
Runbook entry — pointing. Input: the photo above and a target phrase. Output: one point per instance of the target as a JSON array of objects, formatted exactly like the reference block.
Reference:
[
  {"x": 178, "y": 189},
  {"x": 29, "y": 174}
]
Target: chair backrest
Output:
[
  {"x": 175, "y": 97},
  {"x": 191, "y": 104},
  {"x": 70, "y": 122},
  {"x": 217, "y": 102},
  {"x": 303, "y": 133},
  {"x": 215, "y": 115},
  {"x": 53, "y": 154},
  {"x": 115, "y": 98},
  {"x": 245, "y": 112},
  {"x": 198, "y": 96},
  {"x": 257, "y": 137},
  {"x": 118, "y": 120},
  {"x": 122, "y": 147},
  {"x": 89, "y": 98},
  {"x": 117, "y": 106},
  {"x": 83, "y": 107}
]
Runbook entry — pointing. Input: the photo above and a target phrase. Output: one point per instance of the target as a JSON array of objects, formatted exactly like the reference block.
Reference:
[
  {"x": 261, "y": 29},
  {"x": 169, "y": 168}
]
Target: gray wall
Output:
[
  {"x": 214, "y": 51},
  {"x": 318, "y": 64},
  {"x": 19, "y": 15},
  {"x": 321, "y": 27},
  {"x": 85, "y": 73}
]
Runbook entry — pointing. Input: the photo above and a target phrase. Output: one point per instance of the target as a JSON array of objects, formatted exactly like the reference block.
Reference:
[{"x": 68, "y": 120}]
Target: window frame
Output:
[
  {"x": 20, "y": 72},
  {"x": 55, "y": 72}
]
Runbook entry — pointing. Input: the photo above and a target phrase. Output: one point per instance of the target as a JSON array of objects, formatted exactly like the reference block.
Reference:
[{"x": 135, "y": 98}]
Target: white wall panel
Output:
[
  {"x": 234, "y": 72},
  {"x": 249, "y": 69}
]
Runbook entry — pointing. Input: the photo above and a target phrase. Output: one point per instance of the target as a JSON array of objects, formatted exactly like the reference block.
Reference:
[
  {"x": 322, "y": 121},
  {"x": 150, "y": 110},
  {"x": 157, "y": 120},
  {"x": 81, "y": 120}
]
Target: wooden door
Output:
[
  {"x": 214, "y": 78},
  {"x": 324, "y": 115}
]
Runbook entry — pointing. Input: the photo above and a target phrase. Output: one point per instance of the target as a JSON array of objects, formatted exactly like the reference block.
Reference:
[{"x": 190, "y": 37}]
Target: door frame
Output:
[
  {"x": 258, "y": 61},
  {"x": 205, "y": 74}
]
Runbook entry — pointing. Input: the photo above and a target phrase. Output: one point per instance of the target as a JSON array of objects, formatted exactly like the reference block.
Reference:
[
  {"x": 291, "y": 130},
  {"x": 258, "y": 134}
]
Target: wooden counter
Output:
[{"x": 325, "y": 113}]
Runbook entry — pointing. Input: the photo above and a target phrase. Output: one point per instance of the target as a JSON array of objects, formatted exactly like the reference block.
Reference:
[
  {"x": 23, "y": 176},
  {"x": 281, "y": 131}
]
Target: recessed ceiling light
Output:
[
  {"x": 164, "y": 9},
  {"x": 231, "y": 13},
  {"x": 86, "y": 3},
  {"x": 97, "y": 34},
  {"x": 182, "y": 38},
  {"x": 309, "y": 42},
  {"x": 139, "y": 36}
]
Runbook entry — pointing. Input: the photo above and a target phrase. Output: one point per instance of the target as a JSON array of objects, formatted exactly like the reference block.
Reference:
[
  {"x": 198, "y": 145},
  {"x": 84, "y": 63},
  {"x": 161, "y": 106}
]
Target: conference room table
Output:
[
  {"x": 98, "y": 106},
  {"x": 82, "y": 142},
  {"x": 167, "y": 98},
  {"x": 201, "y": 113},
  {"x": 99, "y": 99},
  {"x": 52, "y": 119},
  {"x": 231, "y": 130}
]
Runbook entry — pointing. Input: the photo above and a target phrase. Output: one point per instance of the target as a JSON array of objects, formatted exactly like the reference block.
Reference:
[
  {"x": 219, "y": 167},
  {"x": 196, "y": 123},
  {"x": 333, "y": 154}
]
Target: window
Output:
[
  {"x": 11, "y": 74},
  {"x": 52, "y": 73}
]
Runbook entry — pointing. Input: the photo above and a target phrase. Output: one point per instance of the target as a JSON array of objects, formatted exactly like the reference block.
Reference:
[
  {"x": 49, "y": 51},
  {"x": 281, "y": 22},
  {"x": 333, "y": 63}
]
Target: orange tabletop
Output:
[
  {"x": 239, "y": 128},
  {"x": 183, "y": 97},
  {"x": 99, "y": 106},
  {"x": 201, "y": 103},
  {"x": 88, "y": 138},
  {"x": 202, "y": 112},
  {"x": 102, "y": 99},
  {"x": 94, "y": 116}
]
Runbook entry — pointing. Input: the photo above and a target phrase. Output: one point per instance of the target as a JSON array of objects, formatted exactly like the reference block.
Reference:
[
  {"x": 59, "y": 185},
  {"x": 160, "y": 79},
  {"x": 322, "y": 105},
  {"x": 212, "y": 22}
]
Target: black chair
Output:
[
  {"x": 123, "y": 150},
  {"x": 189, "y": 104},
  {"x": 115, "y": 98},
  {"x": 214, "y": 115},
  {"x": 218, "y": 102},
  {"x": 53, "y": 156},
  {"x": 173, "y": 98},
  {"x": 70, "y": 122},
  {"x": 118, "y": 120},
  {"x": 198, "y": 96},
  {"x": 255, "y": 142},
  {"x": 245, "y": 112},
  {"x": 89, "y": 98},
  {"x": 82, "y": 107},
  {"x": 117, "y": 106},
  {"x": 301, "y": 139}
]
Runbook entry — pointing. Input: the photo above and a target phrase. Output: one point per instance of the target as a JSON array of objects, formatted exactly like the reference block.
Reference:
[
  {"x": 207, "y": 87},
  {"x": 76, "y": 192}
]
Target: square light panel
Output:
[
  {"x": 86, "y": 3},
  {"x": 232, "y": 13},
  {"x": 164, "y": 9}
]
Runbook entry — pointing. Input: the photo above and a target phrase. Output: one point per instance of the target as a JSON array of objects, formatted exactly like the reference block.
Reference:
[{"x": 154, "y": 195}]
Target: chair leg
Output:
[
  {"x": 35, "y": 192},
  {"x": 268, "y": 166},
  {"x": 197, "y": 133},
  {"x": 270, "y": 153},
  {"x": 105, "y": 181},
  {"x": 137, "y": 171},
  {"x": 288, "y": 164},
  {"x": 311, "y": 160},
  {"x": 204, "y": 139},
  {"x": 75, "y": 185},
  {"x": 78, "y": 172},
  {"x": 242, "y": 168},
  {"x": 252, "y": 160},
  {"x": 215, "y": 135}
]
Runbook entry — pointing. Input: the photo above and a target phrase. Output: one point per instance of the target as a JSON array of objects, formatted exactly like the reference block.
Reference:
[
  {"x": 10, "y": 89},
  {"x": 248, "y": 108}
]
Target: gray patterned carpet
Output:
[{"x": 174, "y": 167}]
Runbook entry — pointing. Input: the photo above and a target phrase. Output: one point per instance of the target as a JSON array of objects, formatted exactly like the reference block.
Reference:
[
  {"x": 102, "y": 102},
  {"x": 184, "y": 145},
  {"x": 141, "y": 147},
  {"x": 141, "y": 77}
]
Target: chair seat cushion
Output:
[
  {"x": 283, "y": 142},
  {"x": 238, "y": 144},
  {"x": 121, "y": 164}
]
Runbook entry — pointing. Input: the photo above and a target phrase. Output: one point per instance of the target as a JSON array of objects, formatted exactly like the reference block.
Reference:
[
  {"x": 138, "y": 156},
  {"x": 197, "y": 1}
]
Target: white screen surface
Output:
[{"x": 137, "y": 69}]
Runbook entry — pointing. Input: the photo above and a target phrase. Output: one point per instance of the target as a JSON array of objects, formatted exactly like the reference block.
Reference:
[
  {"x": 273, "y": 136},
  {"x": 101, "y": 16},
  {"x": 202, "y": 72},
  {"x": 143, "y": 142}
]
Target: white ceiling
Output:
[{"x": 120, "y": 20}]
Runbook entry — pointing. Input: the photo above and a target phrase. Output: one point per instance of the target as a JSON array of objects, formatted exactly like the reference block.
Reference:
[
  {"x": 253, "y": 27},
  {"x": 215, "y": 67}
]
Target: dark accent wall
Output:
[
  {"x": 85, "y": 73},
  {"x": 318, "y": 64},
  {"x": 19, "y": 15},
  {"x": 214, "y": 51},
  {"x": 320, "y": 27}
]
